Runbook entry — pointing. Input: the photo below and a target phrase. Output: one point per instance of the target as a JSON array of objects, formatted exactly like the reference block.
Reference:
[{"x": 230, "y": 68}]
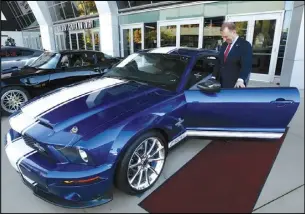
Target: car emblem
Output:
[
  {"x": 179, "y": 123},
  {"x": 40, "y": 148},
  {"x": 197, "y": 75},
  {"x": 74, "y": 130}
]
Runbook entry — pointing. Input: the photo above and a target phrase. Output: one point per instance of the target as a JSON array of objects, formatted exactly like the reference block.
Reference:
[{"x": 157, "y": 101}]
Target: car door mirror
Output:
[{"x": 209, "y": 86}]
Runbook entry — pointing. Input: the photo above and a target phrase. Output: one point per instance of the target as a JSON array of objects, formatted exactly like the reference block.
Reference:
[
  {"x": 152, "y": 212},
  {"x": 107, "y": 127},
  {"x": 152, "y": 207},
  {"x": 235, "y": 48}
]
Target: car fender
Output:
[
  {"x": 108, "y": 145},
  {"x": 138, "y": 126}
]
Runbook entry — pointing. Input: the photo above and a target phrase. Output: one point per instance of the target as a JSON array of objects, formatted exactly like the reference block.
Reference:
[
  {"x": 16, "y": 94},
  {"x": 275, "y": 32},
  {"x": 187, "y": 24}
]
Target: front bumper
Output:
[{"x": 46, "y": 179}]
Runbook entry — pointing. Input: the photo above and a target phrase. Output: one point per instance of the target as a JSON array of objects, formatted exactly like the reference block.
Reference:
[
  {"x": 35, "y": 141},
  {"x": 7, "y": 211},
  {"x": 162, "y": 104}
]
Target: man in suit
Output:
[{"x": 235, "y": 59}]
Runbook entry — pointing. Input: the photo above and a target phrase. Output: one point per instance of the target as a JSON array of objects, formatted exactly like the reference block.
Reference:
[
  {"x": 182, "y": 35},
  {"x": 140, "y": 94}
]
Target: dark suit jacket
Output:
[{"x": 237, "y": 65}]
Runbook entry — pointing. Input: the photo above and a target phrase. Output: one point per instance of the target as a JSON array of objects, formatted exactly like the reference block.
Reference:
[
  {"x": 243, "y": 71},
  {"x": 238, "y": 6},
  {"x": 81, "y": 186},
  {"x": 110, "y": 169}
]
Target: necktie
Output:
[{"x": 227, "y": 52}]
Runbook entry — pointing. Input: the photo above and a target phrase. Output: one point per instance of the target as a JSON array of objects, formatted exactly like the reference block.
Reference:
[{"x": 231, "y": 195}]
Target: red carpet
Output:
[{"x": 222, "y": 178}]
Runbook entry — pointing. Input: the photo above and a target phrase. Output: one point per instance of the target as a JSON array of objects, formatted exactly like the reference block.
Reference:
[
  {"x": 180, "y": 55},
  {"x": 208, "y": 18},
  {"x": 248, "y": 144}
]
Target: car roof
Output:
[
  {"x": 77, "y": 51},
  {"x": 18, "y": 47},
  {"x": 185, "y": 51}
]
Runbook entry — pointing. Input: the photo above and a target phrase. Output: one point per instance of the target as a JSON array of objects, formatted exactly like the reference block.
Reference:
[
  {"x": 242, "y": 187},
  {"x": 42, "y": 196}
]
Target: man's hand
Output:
[{"x": 240, "y": 84}]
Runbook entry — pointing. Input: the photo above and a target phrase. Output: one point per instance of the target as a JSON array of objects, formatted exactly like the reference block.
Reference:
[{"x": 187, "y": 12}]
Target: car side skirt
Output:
[{"x": 225, "y": 134}]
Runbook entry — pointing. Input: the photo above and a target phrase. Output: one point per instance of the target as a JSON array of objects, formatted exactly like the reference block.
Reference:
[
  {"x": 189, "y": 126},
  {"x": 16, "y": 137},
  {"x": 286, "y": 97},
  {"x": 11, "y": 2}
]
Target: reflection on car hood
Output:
[
  {"x": 17, "y": 72},
  {"x": 88, "y": 105}
]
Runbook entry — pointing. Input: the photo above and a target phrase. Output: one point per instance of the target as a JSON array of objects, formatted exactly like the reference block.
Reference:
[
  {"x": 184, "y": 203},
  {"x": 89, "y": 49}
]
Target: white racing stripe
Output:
[
  {"x": 38, "y": 107},
  {"x": 20, "y": 122},
  {"x": 16, "y": 151},
  {"x": 43, "y": 105}
]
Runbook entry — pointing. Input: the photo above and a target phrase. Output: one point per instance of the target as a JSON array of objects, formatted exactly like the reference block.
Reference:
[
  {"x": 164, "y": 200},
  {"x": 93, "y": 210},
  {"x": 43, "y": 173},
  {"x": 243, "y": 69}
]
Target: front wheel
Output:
[
  {"x": 142, "y": 164},
  {"x": 12, "y": 98}
]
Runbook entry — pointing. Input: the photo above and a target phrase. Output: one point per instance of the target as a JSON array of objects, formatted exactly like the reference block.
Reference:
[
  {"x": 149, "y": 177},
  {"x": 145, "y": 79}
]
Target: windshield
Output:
[
  {"x": 160, "y": 70},
  {"x": 47, "y": 60}
]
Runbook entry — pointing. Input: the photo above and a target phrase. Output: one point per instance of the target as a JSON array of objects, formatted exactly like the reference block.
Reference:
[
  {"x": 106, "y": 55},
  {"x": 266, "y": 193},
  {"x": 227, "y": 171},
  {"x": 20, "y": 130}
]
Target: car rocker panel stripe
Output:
[
  {"x": 226, "y": 134},
  {"x": 31, "y": 112}
]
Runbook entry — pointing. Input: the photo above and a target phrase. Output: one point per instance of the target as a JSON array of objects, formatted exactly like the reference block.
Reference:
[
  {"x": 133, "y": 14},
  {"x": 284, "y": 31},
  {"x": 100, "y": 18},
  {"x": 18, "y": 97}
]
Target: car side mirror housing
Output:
[{"x": 210, "y": 86}]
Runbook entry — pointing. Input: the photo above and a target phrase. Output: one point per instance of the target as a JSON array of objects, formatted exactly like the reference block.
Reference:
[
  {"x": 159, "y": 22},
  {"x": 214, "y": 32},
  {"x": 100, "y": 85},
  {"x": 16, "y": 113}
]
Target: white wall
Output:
[
  {"x": 16, "y": 35},
  {"x": 109, "y": 29}
]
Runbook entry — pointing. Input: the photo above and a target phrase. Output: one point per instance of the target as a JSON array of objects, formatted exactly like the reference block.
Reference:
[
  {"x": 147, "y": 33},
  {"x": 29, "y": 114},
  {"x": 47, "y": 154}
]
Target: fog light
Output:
[{"x": 83, "y": 155}]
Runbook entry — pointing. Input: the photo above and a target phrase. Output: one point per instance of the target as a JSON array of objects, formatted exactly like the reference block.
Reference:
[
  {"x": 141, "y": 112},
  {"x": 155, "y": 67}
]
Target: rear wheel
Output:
[
  {"x": 142, "y": 164},
  {"x": 12, "y": 98}
]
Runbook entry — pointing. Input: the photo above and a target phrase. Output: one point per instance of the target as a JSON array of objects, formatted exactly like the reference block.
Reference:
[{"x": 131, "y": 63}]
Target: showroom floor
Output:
[{"x": 282, "y": 192}]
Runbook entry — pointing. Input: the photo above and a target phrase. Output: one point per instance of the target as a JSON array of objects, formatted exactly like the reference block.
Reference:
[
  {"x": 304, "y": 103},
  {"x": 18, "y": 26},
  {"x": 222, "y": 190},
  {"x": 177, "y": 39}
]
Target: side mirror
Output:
[{"x": 209, "y": 86}]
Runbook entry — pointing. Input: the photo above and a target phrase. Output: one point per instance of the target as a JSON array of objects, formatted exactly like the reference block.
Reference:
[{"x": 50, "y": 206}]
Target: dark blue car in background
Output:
[{"x": 73, "y": 144}]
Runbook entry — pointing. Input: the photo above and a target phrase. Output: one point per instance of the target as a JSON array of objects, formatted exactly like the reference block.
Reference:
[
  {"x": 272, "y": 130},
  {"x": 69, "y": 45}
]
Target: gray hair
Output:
[{"x": 230, "y": 25}]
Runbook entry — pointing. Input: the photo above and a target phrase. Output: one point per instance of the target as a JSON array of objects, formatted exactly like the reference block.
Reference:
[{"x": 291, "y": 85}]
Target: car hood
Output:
[
  {"x": 85, "y": 107},
  {"x": 17, "y": 72}
]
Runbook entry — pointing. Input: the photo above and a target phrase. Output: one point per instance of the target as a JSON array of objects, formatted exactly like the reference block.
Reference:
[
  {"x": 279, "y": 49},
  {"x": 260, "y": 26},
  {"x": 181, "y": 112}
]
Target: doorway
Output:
[
  {"x": 132, "y": 37},
  {"x": 263, "y": 31},
  {"x": 180, "y": 33}
]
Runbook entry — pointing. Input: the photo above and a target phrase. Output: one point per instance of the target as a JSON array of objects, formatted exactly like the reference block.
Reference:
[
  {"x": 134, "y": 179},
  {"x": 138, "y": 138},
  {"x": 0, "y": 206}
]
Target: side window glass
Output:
[
  {"x": 101, "y": 59},
  {"x": 65, "y": 61},
  {"x": 4, "y": 53},
  {"x": 203, "y": 68},
  {"x": 76, "y": 60},
  {"x": 14, "y": 53},
  {"x": 27, "y": 53},
  {"x": 88, "y": 59}
]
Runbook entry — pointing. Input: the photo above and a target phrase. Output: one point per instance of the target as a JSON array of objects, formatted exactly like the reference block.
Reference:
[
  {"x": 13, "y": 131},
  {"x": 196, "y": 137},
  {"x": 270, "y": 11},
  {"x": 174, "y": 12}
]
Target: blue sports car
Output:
[{"x": 72, "y": 145}]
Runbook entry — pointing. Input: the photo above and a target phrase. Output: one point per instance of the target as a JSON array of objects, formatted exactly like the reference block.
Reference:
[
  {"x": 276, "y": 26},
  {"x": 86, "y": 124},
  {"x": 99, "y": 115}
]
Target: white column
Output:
[
  {"x": 297, "y": 77},
  {"x": 43, "y": 17},
  {"x": 109, "y": 29},
  {"x": 293, "y": 64}
]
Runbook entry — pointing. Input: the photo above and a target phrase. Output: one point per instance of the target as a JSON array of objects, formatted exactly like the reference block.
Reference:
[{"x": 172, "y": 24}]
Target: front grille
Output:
[{"x": 35, "y": 145}]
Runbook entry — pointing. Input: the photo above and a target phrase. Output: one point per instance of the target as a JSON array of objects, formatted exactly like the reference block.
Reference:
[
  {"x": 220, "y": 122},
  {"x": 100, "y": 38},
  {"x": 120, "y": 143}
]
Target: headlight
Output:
[
  {"x": 75, "y": 155},
  {"x": 83, "y": 155}
]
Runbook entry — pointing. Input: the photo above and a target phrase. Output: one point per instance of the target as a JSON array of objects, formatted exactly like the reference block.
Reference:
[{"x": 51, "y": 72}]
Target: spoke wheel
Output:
[
  {"x": 141, "y": 164},
  {"x": 146, "y": 163},
  {"x": 12, "y": 100}
]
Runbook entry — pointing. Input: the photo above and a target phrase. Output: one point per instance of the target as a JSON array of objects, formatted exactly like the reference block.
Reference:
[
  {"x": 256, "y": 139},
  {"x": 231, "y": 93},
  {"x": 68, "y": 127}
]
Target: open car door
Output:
[{"x": 240, "y": 112}]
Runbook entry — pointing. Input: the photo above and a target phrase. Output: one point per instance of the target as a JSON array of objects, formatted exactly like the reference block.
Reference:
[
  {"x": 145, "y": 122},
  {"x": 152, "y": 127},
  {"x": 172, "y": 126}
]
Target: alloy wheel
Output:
[
  {"x": 146, "y": 163},
  {"x": 12, "y": 100}
]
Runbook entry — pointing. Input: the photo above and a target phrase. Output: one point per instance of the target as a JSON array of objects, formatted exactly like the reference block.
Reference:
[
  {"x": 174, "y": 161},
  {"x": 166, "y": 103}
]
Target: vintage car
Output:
[
  {"x": 14, "y": 57},
  {"x": 75, "y": 144},
  {"x": 50, "y": 71}
]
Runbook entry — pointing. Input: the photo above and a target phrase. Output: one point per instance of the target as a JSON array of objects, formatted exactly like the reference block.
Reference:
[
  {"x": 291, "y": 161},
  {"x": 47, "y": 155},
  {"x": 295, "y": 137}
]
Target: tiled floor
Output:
[{"x": 283, "y": 191}]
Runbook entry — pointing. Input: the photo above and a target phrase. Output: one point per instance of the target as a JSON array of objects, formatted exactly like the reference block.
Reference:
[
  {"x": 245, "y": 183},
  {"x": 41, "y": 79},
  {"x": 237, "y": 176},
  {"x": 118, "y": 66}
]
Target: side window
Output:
[
  {"x": 4, "y": 53},
  {"x": 27, "y": 52},
  {"x": 100, "y": 58},
  {"x": 14, "y": 52},
  {"x": 88, "y": 59},
  {"x": 65, "y": 61},
  {"x": 77, "y": 60},
  {"x": 204, "y": 67}
]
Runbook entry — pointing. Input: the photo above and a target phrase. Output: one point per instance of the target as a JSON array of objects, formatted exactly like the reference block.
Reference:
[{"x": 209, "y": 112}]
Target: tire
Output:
[
  {"x": 24, "y": 96},
  {"x": 122, "y": 182}
]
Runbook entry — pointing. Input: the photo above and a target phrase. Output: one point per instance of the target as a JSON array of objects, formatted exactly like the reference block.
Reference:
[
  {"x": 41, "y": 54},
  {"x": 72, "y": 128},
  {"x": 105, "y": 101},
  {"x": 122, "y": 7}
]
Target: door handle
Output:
[{"x": 282, "y": 101}]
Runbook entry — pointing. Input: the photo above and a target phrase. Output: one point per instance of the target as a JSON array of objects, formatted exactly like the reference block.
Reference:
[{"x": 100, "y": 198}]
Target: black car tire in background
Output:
[
  {"x": 122, "y": 175},
  {"x": 13, "y": 97}
]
